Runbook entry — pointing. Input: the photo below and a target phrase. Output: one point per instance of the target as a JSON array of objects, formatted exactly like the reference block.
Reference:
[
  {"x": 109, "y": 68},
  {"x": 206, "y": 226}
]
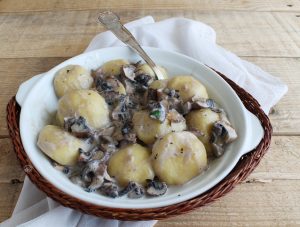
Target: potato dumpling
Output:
[
  {"x": 86, "y": 103},
  {"x": 149, "y": 129},
  {"x": 59, "y": 145},
  {"x": 158, "y": 84},
  {"x": 131, "y": 163},
  {"x": 178, "y": 157},
  {"x": 113, "y": 67},
  {"x": 188, "y": 87},
  {"x": 72, "y": 77},
  {"x": 203, "y": 120},
  {"x": 145, "y": 69}
]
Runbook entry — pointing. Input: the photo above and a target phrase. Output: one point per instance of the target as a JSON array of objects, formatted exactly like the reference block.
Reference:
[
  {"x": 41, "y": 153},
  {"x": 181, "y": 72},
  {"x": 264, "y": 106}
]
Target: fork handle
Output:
[{"x": 112, "y": 22}]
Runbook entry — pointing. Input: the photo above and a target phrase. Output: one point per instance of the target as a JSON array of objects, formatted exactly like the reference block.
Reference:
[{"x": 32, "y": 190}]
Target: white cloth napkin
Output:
[{"x": 189, "y": 37}]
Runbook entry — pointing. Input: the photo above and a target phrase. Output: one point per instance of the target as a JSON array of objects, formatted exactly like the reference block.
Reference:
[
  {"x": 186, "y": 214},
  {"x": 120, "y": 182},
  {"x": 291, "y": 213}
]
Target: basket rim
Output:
[{"x": 244, "y": 167}]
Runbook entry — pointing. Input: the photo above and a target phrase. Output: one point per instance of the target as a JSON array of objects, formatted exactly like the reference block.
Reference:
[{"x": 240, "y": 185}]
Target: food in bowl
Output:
[{"x": 127, "y": 133}]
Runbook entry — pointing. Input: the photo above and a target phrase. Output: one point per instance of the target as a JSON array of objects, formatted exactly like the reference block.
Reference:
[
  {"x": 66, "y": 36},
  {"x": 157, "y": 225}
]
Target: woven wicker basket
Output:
[{"x": 244, "y": 167}]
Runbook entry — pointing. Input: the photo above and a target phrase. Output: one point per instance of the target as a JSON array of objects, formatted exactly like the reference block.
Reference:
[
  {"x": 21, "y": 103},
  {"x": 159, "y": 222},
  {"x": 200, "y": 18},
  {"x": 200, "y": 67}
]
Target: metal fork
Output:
[{"x": 112, "y": 22}]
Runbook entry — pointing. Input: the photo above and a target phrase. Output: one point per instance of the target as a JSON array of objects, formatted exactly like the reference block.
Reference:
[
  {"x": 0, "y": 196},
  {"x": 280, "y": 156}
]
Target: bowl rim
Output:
[{"x": 128, "y": 206}]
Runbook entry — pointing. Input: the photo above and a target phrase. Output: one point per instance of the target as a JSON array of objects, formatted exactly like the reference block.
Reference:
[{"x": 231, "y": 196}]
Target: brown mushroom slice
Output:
[
  {"x": 110, "y": 189},
  {"x": 94, "y": 174},
  {"x": 199, "y": 103},
  {"x": 222, "y": 134},
  {"x": 155, "y": 187},
  {"x": 133, "y": 190},
  {"x": 185, "y": 108},
  {"x": 85, "y": 156},
  {"x": 120, "y": 112},
  {"x": 128, "y": 71},
  {"x": 77, "y": 126}
]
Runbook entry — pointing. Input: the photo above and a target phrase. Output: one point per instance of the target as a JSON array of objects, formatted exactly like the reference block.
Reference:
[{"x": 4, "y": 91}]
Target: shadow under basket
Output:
[{"x": 241, "y": 171}]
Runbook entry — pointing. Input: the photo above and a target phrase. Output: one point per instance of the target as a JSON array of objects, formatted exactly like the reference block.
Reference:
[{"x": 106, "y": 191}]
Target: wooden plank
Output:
[
  {"x": 251, "y": 203},
  {"x": 10, "y": 169},
  {"x": 9, "y": 194},
  {"x": 206, "y": 5},
  {"x": 286, "y": 114},
  {"x": 67, "y": 33},
  {"x": 256, "y": 204},
  {"x": 285, "y": 117},
  {"x": 15, "y": 71}
]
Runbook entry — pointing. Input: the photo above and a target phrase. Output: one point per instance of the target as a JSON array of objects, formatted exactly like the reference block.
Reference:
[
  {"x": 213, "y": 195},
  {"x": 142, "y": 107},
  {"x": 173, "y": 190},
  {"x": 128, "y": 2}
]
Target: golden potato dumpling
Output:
[
  {"x": 72, "y": 77},
  {"x": 131, "y": 163},
  {"x": 178, "y": 157},
  {"x": 113, "y": 67},
  {"x": 158, "y": 84},
  {"x": 86, "y": 103},
  {"x": 203, "y": 120},
  {"x": 188, "y": 87},
  {"x": 145, "y": 69},
  {"x": 59, "y": 145},
  {"x": 149, "y": 129}
]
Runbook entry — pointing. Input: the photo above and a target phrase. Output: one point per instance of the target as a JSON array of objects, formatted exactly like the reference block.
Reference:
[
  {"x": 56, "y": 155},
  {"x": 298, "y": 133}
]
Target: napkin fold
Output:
[{"x": 188, "y": 37}]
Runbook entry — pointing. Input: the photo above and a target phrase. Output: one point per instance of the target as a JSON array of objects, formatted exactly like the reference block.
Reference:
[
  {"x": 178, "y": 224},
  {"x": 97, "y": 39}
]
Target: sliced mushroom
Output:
[
  {"x": 218, "y": 150},
  {"x": 77, "y": 126},
  {"x": 110, "y": 189},
  {"x": 143, "y": 80},
  {"x": 127, "y": 189},
  {"x": 133, "y": 190},
  {"x": 106, "y": 131},
  {"x": 102, "y": 85},
  {"x": 128, "y": 71},
  {"x": 161, "y": 95},
  {"x": 94, "y": 174},
  {"x": 137, "y": 192},
  {"x": 222, "y": 134},
  {"x": 92, "y": 154},
  {"x": 121, "y": 112},
  {"x": 171, "y": 93},
  {"x": 155, "y": 187},
  {"x": 200, "y": 103},
  {"x": 185, "y": 108}
]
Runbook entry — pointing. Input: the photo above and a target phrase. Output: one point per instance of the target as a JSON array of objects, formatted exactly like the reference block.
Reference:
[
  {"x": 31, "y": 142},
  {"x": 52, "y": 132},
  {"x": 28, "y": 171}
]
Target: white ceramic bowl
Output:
[{"x": 39, "y": 102}]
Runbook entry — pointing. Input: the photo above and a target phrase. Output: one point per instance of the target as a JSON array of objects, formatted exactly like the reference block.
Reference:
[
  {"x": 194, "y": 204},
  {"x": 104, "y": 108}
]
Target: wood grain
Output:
[
  {"x": 285, "y": 116},
  {"x": 9, "y": 194},
  {"x": 277, "y": 176},
  {"x": 67, "y": 33},
  {"x": 203, "y": 5},
  {"x": 249, "y": 204},
  {"x": 10, "y": 169}
]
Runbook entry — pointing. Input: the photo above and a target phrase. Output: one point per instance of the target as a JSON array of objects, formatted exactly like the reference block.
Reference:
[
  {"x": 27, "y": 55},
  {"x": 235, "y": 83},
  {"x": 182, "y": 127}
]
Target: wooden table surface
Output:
[{"x": 37, "y": 35}]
